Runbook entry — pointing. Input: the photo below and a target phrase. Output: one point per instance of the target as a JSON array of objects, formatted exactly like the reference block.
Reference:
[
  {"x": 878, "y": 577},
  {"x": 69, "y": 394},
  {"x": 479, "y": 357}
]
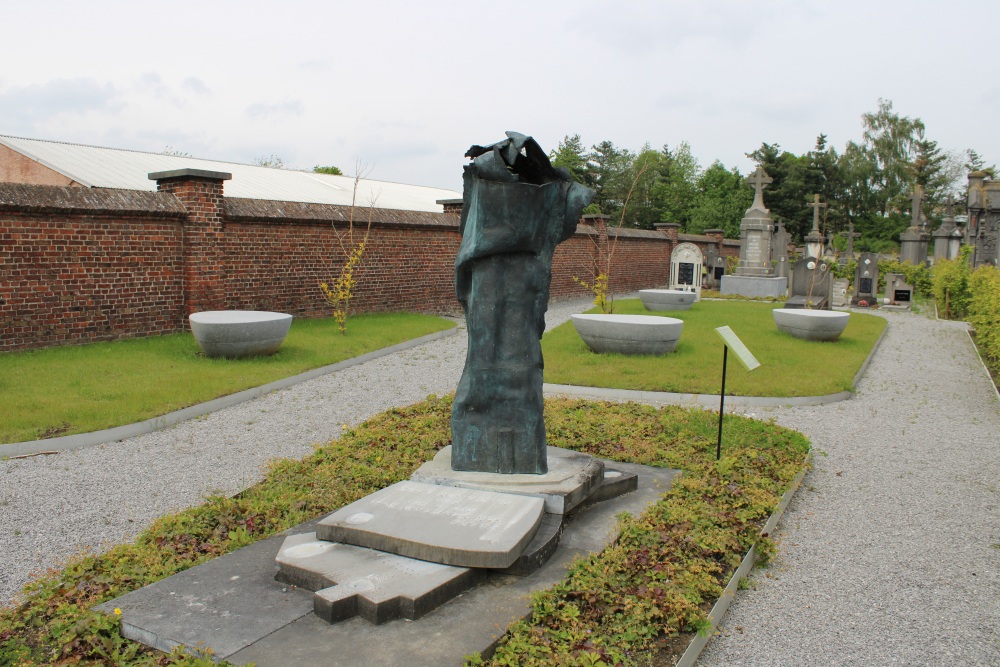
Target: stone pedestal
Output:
[
  {"x": 913, "y": 244},
  {"x": 753, "y": 286}
]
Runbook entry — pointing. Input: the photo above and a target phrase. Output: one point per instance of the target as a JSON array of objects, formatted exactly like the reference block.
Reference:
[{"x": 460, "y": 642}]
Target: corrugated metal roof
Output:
[{"x": 97, "y": 167}]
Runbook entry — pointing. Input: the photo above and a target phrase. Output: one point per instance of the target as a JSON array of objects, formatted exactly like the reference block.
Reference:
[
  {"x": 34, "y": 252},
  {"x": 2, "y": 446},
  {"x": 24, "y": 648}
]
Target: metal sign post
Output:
[{"x": 731, "y": 340}]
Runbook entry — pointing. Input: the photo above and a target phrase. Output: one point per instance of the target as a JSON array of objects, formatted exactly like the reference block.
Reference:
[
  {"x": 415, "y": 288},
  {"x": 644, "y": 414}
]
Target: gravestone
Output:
[
  {"x": 840, "y": 287},
  {"x": 517, "y": 208},
  {"x": 754, "y": 275},
  {"x": 756, "y": 229},
  {"x": 913, "y": 242},
  {"x": 984, "y": 218},
  {"x": 814, "y": 239},
  {"x": 947, "y": 237},
  {"x": 811, "y": 285},
  {"x": 685, "y": 268},
  {"x": 866, "y": 281},
  {"x": 779, "y": 250},
  {"x": 851, "y": 235},
  {"x": 898, "y": 295}
]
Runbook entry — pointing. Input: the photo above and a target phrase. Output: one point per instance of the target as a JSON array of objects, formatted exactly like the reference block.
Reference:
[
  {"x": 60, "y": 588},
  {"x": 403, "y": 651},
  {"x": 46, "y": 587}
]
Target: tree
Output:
[
  {"x": 676, "y": 188},
  {"x": 608, "y": 172},
  {"x": 571, "y": 156},
  {"x": 271, "y": 161},
  {"x": 333, "y": 171},
  {"x": 891, "y": 140},
  {"x": 722, "y": 200}
]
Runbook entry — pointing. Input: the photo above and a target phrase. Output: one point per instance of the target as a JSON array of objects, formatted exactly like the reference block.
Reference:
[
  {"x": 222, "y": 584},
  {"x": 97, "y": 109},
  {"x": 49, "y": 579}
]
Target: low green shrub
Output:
[
  {"x": 917, "y": 275},
  {"x": 951, "y": 285},
  {"x": 984, "y": 314},
  {"x": 659, "y": 578}
]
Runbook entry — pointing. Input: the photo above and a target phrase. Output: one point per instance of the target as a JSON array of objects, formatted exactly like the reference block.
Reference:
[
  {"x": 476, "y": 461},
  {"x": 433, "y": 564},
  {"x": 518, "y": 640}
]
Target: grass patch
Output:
[
  {"x": 789, "y": 366},
  {"x": 619, "y": 606},
  {"x": 82, "y": 388}
]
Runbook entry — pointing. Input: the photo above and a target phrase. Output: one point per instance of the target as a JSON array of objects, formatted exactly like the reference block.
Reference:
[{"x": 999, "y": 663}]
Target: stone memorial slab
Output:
[
  {"x": 571, "y": 478},
  {"x": 686, "y": 263},
  {"x": 443, "y": 524},
  {"x": 840, "y": 287},
  {"x": 866, "y": 280},
  {"x": 353, "y": 581}
]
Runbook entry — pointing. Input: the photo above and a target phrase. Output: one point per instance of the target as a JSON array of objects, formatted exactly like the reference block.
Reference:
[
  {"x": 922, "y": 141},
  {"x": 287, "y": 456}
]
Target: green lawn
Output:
[
  {"x": 789, "y": 366},
  {"x": 81, "y": 388}
]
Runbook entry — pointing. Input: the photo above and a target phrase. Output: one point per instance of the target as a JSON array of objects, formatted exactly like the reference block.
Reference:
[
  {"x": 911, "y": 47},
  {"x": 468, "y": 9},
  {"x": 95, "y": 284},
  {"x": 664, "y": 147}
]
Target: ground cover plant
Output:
[
  {"x": 617, "y": 607},
  {"x": 81, "y": 388},
  {"x": 789, "y": 366}
]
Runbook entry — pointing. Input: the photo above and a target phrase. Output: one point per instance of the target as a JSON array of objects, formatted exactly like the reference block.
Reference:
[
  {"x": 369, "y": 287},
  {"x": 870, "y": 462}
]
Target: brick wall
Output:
[
  {"x": 98, "y": 266},
  {"x": 79, "y": 264}
]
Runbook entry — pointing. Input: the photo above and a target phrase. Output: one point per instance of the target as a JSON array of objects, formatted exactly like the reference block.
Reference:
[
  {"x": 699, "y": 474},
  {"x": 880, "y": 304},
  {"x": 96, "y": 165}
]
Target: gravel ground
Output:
[
  {"x": 888, "y": 555},
  {"x": 52, "y": 507}
]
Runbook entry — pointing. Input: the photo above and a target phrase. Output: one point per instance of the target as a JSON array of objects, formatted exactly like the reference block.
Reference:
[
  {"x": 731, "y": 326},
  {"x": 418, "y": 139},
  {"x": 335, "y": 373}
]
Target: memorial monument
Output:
[
  {"x": 984, "y": 218},
  {"x": 947, "y": 237},
  {"x": 517, "y": 209},
  {"x": 913, "y": 242},
  {"x": 754, "y": 275}
]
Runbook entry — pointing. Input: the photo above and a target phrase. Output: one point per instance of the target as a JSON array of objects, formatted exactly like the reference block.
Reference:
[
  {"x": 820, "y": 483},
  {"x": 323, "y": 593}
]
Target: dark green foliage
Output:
[{"x": 333, "y": 171}]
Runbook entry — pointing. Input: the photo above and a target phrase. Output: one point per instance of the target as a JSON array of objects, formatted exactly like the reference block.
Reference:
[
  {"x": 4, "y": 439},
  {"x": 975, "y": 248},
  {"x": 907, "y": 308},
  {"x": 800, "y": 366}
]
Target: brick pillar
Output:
[
  {"x": 452, "y": 205},
  {"x": 200, "y": 192}
]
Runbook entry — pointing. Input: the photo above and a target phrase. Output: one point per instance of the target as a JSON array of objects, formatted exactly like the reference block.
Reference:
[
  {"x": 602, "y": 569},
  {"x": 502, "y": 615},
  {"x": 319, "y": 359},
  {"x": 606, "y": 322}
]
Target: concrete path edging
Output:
[{"x": 76, "y": 441}]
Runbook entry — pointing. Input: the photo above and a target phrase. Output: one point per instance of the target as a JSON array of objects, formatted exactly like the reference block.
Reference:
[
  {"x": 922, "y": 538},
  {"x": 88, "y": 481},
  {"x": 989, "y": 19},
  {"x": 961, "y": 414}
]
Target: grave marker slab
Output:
[{"x": 444, "y": 524}]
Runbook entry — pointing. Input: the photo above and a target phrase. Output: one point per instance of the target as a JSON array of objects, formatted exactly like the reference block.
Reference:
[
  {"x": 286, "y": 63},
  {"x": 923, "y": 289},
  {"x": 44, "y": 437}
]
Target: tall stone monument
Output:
[
  {"x": 913, "y": 243},
  {"x": 517, "y": 208},
  {"x": 779, "y": 250},
  {"x": 814, "y": 239},
  {"x": 754, "y": 275},
  {"x": 984, "y": 218},
  {"x": 947, "y": 237},
  {"x": 851, "y": 235}
]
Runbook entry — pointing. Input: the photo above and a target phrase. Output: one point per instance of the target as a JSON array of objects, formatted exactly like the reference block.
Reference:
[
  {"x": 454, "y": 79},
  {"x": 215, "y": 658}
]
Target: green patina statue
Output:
[{"x": 517, "y": 208}]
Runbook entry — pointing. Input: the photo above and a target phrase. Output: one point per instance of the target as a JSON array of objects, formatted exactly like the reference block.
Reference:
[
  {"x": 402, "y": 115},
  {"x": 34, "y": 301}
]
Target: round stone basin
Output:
[
  {"x": 239, "y": 333},
  {"x": 666, "y": 299},
  {"x": 629, "y": 334},
  {"x": 811, "y": 324}
]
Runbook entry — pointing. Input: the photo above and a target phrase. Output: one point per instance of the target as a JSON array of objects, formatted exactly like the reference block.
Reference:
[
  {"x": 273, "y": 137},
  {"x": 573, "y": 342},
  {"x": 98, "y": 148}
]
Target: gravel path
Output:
[
  {"x": 52, "y": 507},
  {"x": 888, "y": 555},
  {"x": 890, "y": 552}
]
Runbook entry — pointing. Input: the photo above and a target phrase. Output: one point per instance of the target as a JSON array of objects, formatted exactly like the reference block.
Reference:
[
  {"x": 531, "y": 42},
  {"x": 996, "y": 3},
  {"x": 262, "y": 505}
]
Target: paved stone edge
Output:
[
  {"x": 715, "y": 616},
  {"x": 982, "y": 362},
  {"x": 713, "y": 399},
  {"x": 69, "y": 442}
]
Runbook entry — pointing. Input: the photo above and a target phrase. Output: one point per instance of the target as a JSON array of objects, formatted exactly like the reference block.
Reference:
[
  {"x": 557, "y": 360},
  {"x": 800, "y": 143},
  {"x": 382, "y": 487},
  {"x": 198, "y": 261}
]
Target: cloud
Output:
[
  {"x": 25, "y": 108},
  {"x": 195, "y": 85},
  {"x": 264, "y": 111}
]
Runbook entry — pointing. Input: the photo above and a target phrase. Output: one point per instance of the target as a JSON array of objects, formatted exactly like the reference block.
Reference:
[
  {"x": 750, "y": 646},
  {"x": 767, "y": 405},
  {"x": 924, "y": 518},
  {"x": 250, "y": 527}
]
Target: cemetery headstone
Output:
[
  {"x": 779, "y": 249},
  {"x": 913, "y": 242},
  {"x": 756, "y": 229},
  {"x": 709, "y": 281},
  {"x": 897, "y": 293},
  {"x": 840, "y": 287},
  {"x": 866, "y": 281},
  {"x": 811, "y": 285},
  {"x": 814, "y": 239},
  {"x": 984, "y": 218},
  {"x": 517, "y": 208},
  {"x": 947, "y": 237},
  {"x": 686, "y": 263}
]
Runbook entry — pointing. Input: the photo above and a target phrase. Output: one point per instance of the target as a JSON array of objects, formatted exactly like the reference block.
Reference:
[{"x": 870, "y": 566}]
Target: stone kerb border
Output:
[{"x": 68, "y": 442}]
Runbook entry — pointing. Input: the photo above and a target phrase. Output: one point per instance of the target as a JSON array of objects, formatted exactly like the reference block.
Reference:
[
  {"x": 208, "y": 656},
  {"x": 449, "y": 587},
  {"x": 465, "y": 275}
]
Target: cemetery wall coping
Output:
[
  {"x": 66, "y": 200},
  {"x": 267, "y": 211}
]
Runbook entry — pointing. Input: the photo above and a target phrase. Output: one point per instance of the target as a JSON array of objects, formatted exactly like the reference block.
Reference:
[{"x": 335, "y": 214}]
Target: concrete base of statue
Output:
[{"x": 754, "y": 286}]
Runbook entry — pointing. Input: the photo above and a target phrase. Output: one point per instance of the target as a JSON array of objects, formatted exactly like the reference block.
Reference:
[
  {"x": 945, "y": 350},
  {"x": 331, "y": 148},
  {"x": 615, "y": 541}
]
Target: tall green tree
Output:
[
  {"x": 571, "y": 155},
  {"x": 676, "y": 189},
  {"x": 723, "y": 198}
]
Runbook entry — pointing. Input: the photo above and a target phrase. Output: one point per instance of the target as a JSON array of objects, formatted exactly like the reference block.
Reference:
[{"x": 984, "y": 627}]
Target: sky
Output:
[{"x": 404, "y": 88}]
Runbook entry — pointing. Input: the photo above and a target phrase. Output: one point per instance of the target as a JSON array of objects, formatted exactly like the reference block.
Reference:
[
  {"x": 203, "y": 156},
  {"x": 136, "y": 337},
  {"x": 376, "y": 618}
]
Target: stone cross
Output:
[
  {"x": 851, "y": 235},
  {"x": 917, "y": 197},
  {"x": 816, "y": 205},
  {"x": 759, "y": 180},
  {"x": 950, "y": 203}
]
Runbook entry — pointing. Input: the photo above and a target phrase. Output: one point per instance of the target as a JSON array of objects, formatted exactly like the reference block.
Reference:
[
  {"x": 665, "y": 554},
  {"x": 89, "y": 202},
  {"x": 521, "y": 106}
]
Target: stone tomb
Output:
[
  {"x": 866, "y": 280},
  {"x": 715, "y": 268},
  {"x": 686, "y": 262},
  {"x": 754, "y": 275},
  {"x": 898, "y": 295},
  {"x": 812, "y": 286},
  {"x": 410, "y": 547}
]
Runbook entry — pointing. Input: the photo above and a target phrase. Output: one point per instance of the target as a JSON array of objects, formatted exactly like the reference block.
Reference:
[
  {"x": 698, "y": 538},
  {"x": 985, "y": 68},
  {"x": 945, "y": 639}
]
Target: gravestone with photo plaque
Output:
[
  {"x": 686, "y": 263},
  {"x": 866, "y": 281},
  {"x": 811, "y": 285}
]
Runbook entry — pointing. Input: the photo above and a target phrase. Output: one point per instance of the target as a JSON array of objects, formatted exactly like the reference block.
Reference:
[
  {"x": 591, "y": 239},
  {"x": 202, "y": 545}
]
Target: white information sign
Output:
[{"x": 741, "y": 351}]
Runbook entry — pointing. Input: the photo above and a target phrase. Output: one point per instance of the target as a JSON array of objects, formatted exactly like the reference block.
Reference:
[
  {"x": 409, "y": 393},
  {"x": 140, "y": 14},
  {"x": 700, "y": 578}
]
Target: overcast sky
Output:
[{"x": 408, "y": 86}]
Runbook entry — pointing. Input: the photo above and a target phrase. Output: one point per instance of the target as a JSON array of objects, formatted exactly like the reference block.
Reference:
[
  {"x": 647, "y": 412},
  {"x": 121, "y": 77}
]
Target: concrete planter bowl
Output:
[
  {"x": 824, "y": 325},
  {"x": 629, "y": 334},
  {"x": 666, "y": 299},
  {"x": 239, "y": 333}
]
